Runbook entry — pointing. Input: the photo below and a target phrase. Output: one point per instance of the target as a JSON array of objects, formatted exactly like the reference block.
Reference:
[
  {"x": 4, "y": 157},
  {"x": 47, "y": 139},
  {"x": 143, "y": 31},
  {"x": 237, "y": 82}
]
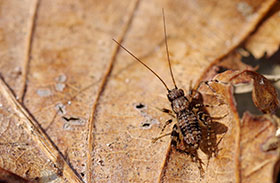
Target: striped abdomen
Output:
[{"x": 189, "y": 126}]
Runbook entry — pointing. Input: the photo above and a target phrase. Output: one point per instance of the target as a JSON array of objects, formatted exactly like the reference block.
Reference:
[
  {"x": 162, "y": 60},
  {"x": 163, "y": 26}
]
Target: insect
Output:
[{"x": 191, "y": 115}]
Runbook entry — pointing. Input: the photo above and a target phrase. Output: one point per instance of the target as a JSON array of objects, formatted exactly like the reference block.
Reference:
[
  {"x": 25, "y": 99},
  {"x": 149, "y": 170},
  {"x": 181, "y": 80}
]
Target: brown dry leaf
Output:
[
  {"x": 232, "y": 61},
  {"x": 264, "y": 95},
  {"x": 257, "y": 165},
  {"x": 8, "y": 177},
  {"x": 240, "y": 158},
  {"x": 80, "y": 120},
  {"x": 252, "y": 163},
  {"x": 26, "y": 149},
  {"x": 266, "y": 40}
]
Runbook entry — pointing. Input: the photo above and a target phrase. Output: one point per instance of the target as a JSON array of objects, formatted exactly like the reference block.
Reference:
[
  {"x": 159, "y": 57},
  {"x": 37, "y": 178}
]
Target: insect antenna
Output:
[
  {"x": 166, "y": 46},
  {"x": 136, "y": 58}
]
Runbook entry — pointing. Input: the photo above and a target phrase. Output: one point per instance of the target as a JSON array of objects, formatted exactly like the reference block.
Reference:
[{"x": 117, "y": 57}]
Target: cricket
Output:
[{"x": 193, "y": 127}]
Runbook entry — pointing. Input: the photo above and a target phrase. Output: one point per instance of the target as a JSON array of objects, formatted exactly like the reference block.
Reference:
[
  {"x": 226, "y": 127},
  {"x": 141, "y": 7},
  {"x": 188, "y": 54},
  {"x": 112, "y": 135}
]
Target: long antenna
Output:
[
  {"x": 142, "y": 64},
  {"x": 166, "y": 46}
]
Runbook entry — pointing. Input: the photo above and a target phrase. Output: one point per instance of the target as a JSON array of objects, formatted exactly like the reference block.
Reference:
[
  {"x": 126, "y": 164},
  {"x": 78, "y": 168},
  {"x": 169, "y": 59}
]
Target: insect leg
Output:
[
  {"x": 168, "y": 111},
  {"x": 218, "y": 117},
  {"x": 211, "y": 141},
  {"x": 208, "y": 145},
  {"x": 166, "y": 123},
  {"x": 176, "y": 140},
  {"x": 201, "y": 106},
  {"x": 159, "y": 137},
  {"x": 175, "y": 136},
  {"x": 207, "y": 105},
  {"x": 198, "y": 161},
  {"x": 194, "y": 158},
  {"x": 210, "y": 81}
]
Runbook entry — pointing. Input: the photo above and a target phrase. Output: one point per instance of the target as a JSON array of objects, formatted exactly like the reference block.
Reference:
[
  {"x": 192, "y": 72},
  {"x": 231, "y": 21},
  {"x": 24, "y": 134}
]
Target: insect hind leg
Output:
[
  {"x": 176, "y": 140},
  {"x": 194, "y": 158}
]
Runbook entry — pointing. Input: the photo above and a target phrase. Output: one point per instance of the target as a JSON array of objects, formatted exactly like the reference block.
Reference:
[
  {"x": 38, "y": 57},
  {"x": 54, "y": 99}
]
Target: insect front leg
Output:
[
  {"x": 168, "y": 122},
  {"x": 168, "y": 111}
]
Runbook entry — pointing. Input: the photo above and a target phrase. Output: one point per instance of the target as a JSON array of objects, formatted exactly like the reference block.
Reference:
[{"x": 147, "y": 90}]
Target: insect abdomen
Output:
[{"x": 190, "y": 129}]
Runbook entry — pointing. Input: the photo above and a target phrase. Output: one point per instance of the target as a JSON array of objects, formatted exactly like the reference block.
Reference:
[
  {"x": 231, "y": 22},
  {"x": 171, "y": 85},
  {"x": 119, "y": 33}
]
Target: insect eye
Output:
[
  {"x": 169, "y": 96},
  {"x": 181, "y": 92}
]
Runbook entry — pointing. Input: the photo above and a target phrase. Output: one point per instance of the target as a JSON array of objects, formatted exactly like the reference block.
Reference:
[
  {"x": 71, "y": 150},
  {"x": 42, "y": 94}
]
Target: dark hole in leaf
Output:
[
  {"x": 145, "y": 125},
  {"x": 70, "y": 118},
  {"x": 140, "y": 106}
]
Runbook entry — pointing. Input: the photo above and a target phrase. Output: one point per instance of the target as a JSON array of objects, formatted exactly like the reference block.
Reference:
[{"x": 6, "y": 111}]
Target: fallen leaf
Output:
[
  {"x": 8, "y": 177},
  {"x": 76, "y": 119},
  {"x": 264, "y": 95},
  {"x": 257, "y": 165},
  {"x": 26, "y": 148},
  {"x": 232, "y": 61},
  {"x": 252, "y": 163},
  {"x": 265, "y": 41}
]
